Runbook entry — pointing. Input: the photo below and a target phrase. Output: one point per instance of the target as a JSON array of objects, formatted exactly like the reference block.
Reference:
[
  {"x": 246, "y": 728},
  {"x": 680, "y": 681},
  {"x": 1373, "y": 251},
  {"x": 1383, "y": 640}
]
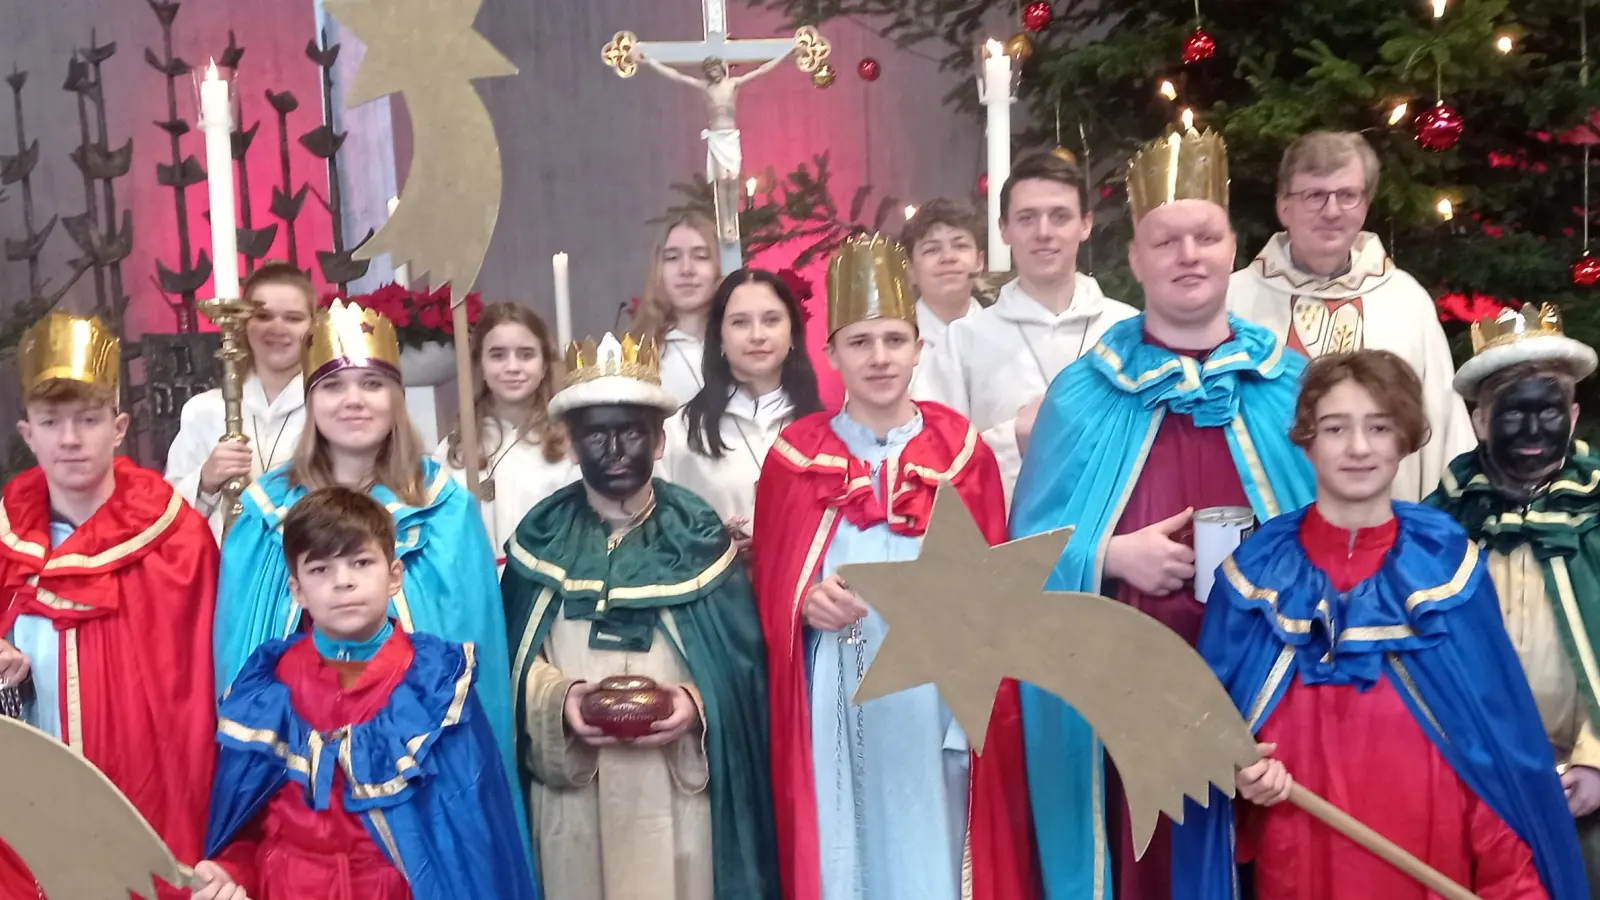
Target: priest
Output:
[
  {"x": 107, "y": 588},
  {"x": 1179, "y": 409},
  {"x": 1529, "y": 495},
  {"x": 1323, "y": 285},
  {"x": 1361, "y": 637},
  {"x": 639, "y": 675},
  {"x": 876, "y": 800}
]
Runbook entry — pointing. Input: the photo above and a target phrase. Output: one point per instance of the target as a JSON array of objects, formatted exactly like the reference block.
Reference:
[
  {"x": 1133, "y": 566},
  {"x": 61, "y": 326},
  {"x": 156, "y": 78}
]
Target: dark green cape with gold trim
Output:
[
  {"x": 677, "y": 561},
  {"x": 1560, "y": 527}
]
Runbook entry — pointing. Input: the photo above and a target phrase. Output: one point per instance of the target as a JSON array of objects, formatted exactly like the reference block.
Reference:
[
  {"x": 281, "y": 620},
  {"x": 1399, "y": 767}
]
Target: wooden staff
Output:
[{"x": 1380, "y": 846}]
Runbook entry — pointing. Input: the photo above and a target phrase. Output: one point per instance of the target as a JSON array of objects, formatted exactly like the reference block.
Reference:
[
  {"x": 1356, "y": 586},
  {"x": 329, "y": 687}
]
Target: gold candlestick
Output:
[{"x": 230, "y": 316}]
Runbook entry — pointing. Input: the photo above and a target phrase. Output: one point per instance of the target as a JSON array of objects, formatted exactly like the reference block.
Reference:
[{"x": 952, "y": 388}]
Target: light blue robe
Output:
[
  {"x": 36, "y": 637},
  {"x": 891, "y": 775},
  {"x": 1088, "y": 449},
  {"x": 449, "y": 591}
]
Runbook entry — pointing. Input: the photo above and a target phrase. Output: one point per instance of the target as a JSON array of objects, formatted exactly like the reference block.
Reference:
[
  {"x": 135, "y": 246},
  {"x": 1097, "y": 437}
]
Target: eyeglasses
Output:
[{"x": 1316, "y": 201}]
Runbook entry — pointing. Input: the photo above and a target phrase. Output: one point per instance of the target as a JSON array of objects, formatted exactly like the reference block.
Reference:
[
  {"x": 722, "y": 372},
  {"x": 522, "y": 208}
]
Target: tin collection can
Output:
[{"x": 1218, "y": 531}]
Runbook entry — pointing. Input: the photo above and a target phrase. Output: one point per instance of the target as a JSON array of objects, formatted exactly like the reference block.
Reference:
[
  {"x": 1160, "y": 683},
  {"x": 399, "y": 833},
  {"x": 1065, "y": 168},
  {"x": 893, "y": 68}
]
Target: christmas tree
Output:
[{"x": 1106, "y": 75}]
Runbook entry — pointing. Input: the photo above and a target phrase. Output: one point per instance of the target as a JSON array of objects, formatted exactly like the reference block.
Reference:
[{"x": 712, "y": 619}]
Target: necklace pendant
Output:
[{"x": 486, "y": 490}]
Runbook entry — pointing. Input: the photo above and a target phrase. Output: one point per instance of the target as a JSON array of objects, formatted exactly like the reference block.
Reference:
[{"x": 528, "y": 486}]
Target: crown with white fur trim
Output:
[
  {"x": 612, "y": 373},
  {"x": 1531, "y": 334}
]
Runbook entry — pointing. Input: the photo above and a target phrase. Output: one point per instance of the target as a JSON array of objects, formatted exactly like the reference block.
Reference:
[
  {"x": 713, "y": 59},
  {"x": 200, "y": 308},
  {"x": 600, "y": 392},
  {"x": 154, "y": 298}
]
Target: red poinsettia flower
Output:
[
  {"x": 800, "y": 287},
  {"x": 1459, "y": 307}
]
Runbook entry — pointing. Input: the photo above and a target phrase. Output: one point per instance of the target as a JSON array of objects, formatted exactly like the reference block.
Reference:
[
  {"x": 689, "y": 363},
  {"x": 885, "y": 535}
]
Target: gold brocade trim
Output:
[
  {"x": 966, "y": 857},
  {"x": 1252, "y": 461},
  {"x": 230, "y": 728},
  {"x": 1230, "y": 359},
  {"x": 1543, "y": 517},
  {"x": 380, "y": 824},
  {"x": 968, "y": 447},
  {"x": 130, "y": 546},
  {"x": 1097, "y": 791},
  {"x": 553, "y": 571},
  {"x": 639, "y": 592},
  {"x": 819, "y": 543},
  {"x": 435, "y": 488},
  {"x": 452, "y": 716},
  {"x": 1416, "y": 696},
  {"x": 1280, "y": 667},
  {"x": 891, "y": 472},
  {"x": 1191, "y": 374},
  {"x": 54, "y": 600},
  {"x": 822, "y": 460},
  {"x": 1580, "y": 636},
  {"x": 69, "y": 637},
  {"x": 1133, "y": 384},
  {"x": 525, "y": 643},
  {"x": 1098, "y": 575},
  {"x": 1352, "y": 281},
  {"x": 12, "y": 540},
  {"x": 1469, "y": 561},
  {"x": 402, "y": 610}
]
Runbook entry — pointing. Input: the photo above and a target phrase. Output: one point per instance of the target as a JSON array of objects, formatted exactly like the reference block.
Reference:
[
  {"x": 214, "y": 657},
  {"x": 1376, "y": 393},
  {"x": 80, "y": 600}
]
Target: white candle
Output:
[
  {"x": 216, "y": 120},
  {"x": 997, "y": 98},
  {"x": 563, "y": 302},
  {"x": 402, "y": 272}
]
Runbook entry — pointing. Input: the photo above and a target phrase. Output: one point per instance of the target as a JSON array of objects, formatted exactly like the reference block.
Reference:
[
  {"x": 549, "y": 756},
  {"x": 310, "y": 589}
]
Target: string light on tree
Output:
[
  {"x": 1505, "y": 43},
  {"x": 1445, "y": 208},
  {"x": 1037, "y": 15},
  {"x": 1398, "y": 114},
  {"x": 1586, "y": 271},
  {"x": 1438, "y": 8},
  {"x": 1168, "y": 90}
]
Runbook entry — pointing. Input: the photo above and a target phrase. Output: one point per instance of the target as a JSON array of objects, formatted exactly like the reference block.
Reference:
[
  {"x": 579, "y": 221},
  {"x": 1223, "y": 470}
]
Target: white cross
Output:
[{"x": 716, "y": 43}]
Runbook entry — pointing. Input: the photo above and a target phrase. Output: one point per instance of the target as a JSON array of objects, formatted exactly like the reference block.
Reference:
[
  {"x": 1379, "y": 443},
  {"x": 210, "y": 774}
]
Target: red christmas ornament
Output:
[
  {"x": 1036, "y": 16},
  {"x": 1439, "y": 128},
  {"x": 1199, "y": 46},
  {"x": 868, "y": 69},
  {"x": 1586, "y": 271},
  {"x": 983, "y": 184}
]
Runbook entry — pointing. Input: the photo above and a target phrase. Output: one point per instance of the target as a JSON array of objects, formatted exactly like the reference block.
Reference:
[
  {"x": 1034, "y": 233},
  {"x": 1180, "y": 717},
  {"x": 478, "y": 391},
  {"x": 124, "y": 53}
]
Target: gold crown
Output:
[
  {"x": 73, "y": 348},
  {"x": 1180, "y": 166},
  {"x": 346, "y": 336},
  {"x": 1513, "y": 325},
  {"x": 627, "y": 358},
  {"x": 869, "y": 278}
]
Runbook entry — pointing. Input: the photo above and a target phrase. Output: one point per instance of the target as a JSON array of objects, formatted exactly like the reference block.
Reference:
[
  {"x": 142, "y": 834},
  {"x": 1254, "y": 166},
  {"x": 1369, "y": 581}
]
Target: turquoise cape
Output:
[
  {"x": 673, "y": 578},
  {"x": 1088, "y": 447},
  {"x": 449, "y": 590}
]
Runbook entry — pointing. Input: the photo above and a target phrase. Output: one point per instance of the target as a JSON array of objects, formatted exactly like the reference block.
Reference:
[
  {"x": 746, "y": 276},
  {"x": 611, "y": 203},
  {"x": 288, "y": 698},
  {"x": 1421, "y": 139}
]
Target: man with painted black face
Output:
[
  {"x": 1529, "y": 495},
  {"x": 618, "y": 575}
]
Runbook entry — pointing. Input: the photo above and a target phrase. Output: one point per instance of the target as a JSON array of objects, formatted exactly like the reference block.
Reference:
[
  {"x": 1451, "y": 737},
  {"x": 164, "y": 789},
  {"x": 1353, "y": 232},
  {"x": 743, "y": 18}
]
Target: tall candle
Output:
[
  {"x": 216, "y": 120},
  {"x": 402, "y": 272},
  {"x": 997, "y": 100},
  {"x": 563, "y": 301}
]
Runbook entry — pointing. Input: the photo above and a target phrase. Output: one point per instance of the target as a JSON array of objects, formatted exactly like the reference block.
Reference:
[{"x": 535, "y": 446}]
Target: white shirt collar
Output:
[
  {"x": 931, "y": 327},
  {"x": 254, "y": 401},
  {"x": 763, "y": 410},
  {"x": 1017, "y": 305}
]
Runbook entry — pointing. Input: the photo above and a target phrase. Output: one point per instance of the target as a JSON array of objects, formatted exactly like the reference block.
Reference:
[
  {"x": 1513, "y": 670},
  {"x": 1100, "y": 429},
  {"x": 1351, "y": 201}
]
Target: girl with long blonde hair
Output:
[
  {"x": 358, "y": 436},
  {"x": 684, "y": 272},
  {"x": 522, "y": 455}
]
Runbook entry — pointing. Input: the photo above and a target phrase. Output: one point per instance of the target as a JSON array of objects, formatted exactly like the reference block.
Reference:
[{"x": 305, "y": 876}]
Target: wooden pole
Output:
[
  {"x": 468, "y": 418},
  {"x": 1378, "y": 845}
]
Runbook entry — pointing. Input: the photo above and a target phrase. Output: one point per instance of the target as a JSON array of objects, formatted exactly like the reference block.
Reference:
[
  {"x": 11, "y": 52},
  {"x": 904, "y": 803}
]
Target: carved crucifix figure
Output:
[{"x": 714, "y": 55}]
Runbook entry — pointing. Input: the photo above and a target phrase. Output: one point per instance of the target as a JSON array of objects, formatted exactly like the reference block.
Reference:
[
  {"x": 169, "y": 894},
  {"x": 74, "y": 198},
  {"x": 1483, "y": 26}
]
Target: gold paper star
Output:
[{"x": 964, "y": 615}]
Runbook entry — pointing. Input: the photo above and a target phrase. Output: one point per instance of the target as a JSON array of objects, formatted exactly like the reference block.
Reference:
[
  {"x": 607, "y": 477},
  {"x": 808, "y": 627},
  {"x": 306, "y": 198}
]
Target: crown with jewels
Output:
[
  {"x": 1513, "y": 325},
  {"x": 70, "y": 348},
  {"x": 1181, "y": 166},
  {"x": 869, "y": 278},
  {"x": 630, "y": 357},
  {"x": 346, "y": 336}
]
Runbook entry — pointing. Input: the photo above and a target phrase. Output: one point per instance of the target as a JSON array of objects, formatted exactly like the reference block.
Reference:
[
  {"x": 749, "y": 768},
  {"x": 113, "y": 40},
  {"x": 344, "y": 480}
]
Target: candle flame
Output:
[
  {"x": 1188, "y": 118},
  {"x": 1168, "y": 91},
  {"x": 1504, "y": 43},
  {"x": 911, "y": 210},
  {"x": 211, "y": 71},
  {"x": 1399, "y": 112},
  {"x": 992, "y": 47},
  {"x": 750, "y": 187},
  {"x": 1447, "y": 210},
  {"x": 1438, "y": 8}
]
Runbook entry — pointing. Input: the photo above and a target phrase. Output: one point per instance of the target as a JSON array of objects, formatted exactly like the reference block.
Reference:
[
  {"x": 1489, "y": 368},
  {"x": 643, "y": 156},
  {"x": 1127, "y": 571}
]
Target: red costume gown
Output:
[
  {"x": 292, "y": 852},
  {"x": 1365, "y": 753},
  {"x": 131, "y": 593},
  {"x": 808, "y": 482},
  {"x": 1188, "y": 467}
]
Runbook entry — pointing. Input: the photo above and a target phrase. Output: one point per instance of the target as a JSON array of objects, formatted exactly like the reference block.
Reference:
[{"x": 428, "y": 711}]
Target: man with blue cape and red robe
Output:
[
  {"x": 1179, "y": 409},
  {"x": 1361, "y": 638}
]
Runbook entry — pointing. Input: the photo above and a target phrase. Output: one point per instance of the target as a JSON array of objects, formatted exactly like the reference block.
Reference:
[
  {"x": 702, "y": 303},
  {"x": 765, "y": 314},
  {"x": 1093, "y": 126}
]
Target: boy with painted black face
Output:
[
  {"x": 625, "y": 575},
  {"x": 1529, "y": 495}
]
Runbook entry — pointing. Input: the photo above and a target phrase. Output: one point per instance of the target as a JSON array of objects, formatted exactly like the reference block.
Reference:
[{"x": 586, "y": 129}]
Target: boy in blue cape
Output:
[
  {"x": 1361, "y": 638},
  {"x": 356, "y": 761}
]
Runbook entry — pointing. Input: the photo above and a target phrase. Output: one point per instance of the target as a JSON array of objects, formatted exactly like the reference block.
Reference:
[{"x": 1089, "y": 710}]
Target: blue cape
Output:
[
  {"x": 450, "y": 588},
  {"x": 1089, "y": 445},
  {"x": 423, "y": 774},
  {"x": 1429, "y": 621}
]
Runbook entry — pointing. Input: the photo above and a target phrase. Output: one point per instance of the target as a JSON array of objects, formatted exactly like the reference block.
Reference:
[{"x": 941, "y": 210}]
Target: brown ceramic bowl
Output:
[{"x": 625, "y": 706}]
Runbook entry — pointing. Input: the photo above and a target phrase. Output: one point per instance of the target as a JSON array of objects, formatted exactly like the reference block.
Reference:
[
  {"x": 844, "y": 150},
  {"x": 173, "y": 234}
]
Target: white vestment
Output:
[
  {"x": 273, "y": 429},
  {"x": 994, "y": 362},
  {"x": 932, "y": 330},
  {"x": 522, "y": 477},
  {"x": 680, "y": 365},
  {"x": 748, "y": 429},
  {"x": 1374, "y": 306}
]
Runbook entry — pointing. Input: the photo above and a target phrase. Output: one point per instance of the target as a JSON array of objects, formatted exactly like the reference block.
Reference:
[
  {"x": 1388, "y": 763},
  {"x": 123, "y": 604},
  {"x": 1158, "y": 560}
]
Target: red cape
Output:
[
  {"x": 132, "y": 593},
  {"x": 808, "y": 482}
]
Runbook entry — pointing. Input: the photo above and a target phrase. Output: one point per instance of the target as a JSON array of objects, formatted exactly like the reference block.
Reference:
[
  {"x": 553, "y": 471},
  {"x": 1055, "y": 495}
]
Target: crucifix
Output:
[{"x": 714, "y": 54}]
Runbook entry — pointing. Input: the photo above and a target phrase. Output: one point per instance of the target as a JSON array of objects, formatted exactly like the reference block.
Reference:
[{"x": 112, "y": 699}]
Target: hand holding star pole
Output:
[
  {"x": 428, "y": 52},
  {"x": 1167, "y": 722}
]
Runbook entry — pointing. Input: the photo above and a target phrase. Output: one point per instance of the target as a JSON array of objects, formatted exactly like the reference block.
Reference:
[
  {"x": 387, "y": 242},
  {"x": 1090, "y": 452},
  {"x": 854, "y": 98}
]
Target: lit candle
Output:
[
  {"x": 1188, "y": 119},
  {"x": 997, "y": 98},
  {"x": 402, "y": 272},
  {"x": 216, "y": 120},
  {"x": 750, "y": 186},
  {"x": 563, "y": 301},
  {"x": 911, "y": 210}
]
